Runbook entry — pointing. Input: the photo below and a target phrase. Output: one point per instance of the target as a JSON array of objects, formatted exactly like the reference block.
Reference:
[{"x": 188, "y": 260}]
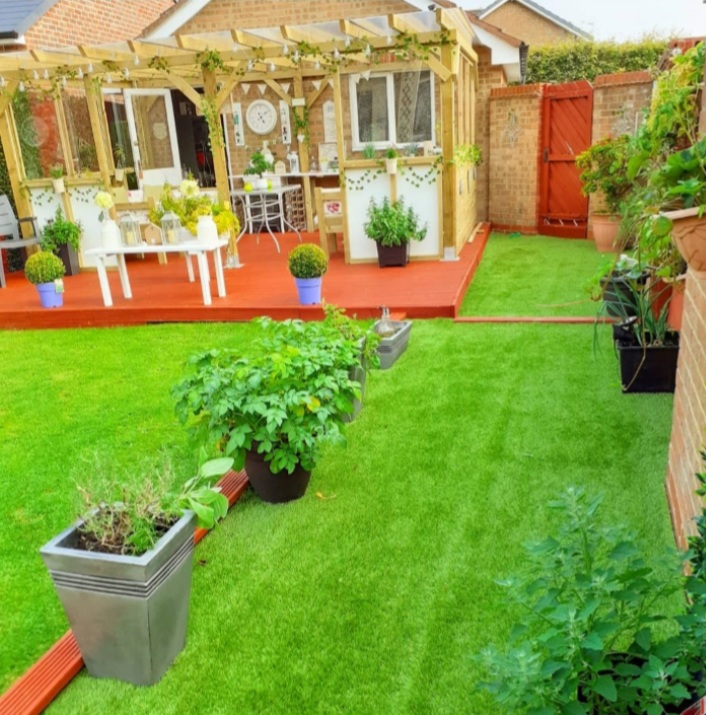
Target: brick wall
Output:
[
  {"x": 513, "y": 182},
  {"x": 72, "y": 22},
  {"x": 488, "y": 78},
  {"x": 525, "y": 24},
  {"x": 244, "y": 14},
  {"x": 689, "y": 421},
  {"x": 618, "y": 104}
]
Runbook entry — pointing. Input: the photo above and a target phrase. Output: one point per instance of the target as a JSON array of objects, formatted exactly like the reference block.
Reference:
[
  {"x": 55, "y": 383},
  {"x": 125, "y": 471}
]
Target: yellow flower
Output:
[
  {"x": 103, "y": 200},
  {"x": 189, "y": 187}
]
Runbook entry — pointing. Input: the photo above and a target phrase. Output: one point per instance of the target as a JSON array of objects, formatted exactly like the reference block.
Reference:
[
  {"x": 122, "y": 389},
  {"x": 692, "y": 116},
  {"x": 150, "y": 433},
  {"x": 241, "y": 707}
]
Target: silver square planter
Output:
[
  {"x": 129, "y": 614},
  {"x": 392, "y": 347}
]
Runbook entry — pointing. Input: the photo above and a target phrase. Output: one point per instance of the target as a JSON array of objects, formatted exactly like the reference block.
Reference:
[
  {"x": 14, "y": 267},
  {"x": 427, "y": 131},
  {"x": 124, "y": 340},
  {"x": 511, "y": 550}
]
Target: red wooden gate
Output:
[{"x": 567, "y": 111}]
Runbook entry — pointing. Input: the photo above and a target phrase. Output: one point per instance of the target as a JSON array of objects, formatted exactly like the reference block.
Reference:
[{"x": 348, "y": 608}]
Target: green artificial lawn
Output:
[
  {"x": 534, "y": 276},
  {"x": 373, "y": 592}
]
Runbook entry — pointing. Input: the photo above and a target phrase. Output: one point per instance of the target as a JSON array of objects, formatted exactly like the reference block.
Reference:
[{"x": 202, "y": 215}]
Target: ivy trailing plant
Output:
[
  {"x": 571, "y": 61},
  {"x": 213, "y": 120},
  {"x": 467, "y": 155},
  {"x": 300, "y": 120}
]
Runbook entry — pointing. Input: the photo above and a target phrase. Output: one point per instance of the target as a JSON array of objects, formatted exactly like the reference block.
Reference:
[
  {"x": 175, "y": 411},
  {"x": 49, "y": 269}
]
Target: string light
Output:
[
  {"x": 271, "y": 66},
  {"x": 336, "y": 53},
  {"x": 21, "y": 87},
  {"x": 285, "y": 50},
  {"x": 35, "y": 75},
  {"x": 367, "y": 50},
  {"x": 136, "y": 60},
  {"x": 63, "y": 81},
  {"x": 388, "y": 40},
  {"x": 89, "y": 69},
  {"x": 250, "y": 65},
  {"x": 347, "y": 41},
  {"x": 317, "y": 65},
  {"x": 45, "y": 74},
  {"x": 126, "y": 73},
  {"x": 2, "y": 81},
  {"x": 109, "y": 78},
  {"x": 296, "y": 56},
  {"x": 79, "y": 74}
]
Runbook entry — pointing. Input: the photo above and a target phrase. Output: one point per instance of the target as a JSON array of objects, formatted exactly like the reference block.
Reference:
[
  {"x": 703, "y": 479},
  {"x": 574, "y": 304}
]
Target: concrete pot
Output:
[
  {"x": 390, "y": 348},
  {"x": 689, "y": 236},
  {"x": 128, "y": 613}
]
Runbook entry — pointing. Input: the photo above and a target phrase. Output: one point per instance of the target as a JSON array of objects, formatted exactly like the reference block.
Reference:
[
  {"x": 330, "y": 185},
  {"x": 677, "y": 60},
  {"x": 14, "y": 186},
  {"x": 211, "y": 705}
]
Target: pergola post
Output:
[
  {"x": 211, "y": 110},
  {"x": 447, "y": 151}
]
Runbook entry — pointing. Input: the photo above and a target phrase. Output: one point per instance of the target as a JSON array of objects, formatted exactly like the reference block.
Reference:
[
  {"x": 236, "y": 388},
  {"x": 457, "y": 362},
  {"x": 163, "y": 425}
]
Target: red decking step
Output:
[{"x": 31, "y": 693}]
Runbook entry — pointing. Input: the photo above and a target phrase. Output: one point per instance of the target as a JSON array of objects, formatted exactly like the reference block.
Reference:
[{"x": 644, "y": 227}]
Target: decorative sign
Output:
[
  {"x": 284, "y": 122},
  {"x": 280, "y": 168},
  {"x": 262, "y": 87},
  {"x": 329, "y": 121},
  {"x": 333, "y": 208},
  {"x": 159, "y": 131},
  {"x": 238, "y": 123},
  {"x": 511, "y": 133},
  {"x": 245, "y": 87}
]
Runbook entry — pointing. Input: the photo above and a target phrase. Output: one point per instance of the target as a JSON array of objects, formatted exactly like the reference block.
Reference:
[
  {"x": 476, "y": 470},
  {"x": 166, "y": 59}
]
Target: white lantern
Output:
[
  {"x": 171, "y": 227},
  {"x": 130, "y": 230}
]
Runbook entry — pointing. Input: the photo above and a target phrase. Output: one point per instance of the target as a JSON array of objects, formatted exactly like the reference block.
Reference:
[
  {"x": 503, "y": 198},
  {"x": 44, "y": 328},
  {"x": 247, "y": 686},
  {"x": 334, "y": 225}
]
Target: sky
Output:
[{"x": 625, "y": 19}]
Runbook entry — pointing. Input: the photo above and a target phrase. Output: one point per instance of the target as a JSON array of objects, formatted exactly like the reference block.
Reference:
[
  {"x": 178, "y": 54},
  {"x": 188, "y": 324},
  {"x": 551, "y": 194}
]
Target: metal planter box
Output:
[
  {"x": 391, "y": 348},
  {"x": 129, "y": 614}
]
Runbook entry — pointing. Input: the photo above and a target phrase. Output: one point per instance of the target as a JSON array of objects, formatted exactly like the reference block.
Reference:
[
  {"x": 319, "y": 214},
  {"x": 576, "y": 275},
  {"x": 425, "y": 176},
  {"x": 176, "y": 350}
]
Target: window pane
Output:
[
  {"x": 372, "y": 110},
  {"x": 413, "y": 102},
  {"x": 38, "y": 130},
  {"x": 78, "y": 123},
  {"x": 119, "y": 134}
]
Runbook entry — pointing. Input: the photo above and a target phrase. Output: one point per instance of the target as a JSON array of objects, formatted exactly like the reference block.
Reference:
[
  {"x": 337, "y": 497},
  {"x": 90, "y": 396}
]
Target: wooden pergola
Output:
[{"x": 215, "y": 63}]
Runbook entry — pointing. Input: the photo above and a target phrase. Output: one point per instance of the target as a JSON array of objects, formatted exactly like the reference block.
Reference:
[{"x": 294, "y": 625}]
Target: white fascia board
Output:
[
  {"x": 177, "y": 20},
  {"x": 501, "y": 53}
]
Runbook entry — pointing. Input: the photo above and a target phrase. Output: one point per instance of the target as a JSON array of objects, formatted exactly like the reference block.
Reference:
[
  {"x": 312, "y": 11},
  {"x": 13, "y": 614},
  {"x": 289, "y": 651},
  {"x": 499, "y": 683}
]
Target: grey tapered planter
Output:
[
  {"x": 359, "y": 374},
  {"x": 128, "y": 613},
  {"x": 392, "y": 347}
]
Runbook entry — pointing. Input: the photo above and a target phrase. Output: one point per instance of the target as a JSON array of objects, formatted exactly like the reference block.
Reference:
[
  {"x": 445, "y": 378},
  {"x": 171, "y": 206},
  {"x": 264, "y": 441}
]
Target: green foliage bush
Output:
[
  {"x": 604, "y": 170},
  {"x": 307, "y": 261},
  {"x": 393, "y": 224},
  {"x": 60, "y": 232},
  {"x": 43, "y": 267},
  {"x": 571, "y": 61}
]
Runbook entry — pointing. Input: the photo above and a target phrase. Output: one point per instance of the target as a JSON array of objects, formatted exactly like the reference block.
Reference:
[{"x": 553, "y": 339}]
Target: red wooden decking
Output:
[{"x": 162, "y": 293}]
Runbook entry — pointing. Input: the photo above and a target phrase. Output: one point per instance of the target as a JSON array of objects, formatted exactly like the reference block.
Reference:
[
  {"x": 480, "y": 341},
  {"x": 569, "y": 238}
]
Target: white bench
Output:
[{"x": 191, "y": 248}]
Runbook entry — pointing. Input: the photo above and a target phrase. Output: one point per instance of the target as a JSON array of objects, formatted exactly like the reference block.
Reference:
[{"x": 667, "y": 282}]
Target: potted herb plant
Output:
[
  {"x": 45, "y": 270},
  {"x": 63, "y": 237},
  {"x": 592, "y": 638},
  {"x": 56, "y": 174},
  {"x": 307, "y": 264},
  {"x": 392, "y": 226},
  {"x": 604, "y": 173},
  {"x": 123, "y": 571},
  {"x": 119, "y": 154},
  {"x": 391, "y": 156},
  {"x": 272, "y": 409}
]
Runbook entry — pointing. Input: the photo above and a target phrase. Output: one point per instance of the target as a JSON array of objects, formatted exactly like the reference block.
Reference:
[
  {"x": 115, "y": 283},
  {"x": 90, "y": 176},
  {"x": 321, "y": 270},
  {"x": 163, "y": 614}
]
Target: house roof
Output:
[
  {"x": 547, "y": 14},
  {"x": 509, "y": 39},
  {"x": 17, "y": 16}
]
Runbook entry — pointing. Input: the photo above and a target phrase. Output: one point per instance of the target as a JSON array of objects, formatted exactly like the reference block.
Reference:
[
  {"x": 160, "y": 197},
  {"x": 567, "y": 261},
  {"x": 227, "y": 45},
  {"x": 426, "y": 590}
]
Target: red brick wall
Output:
[
  {"x": 244, "y": 14},
  {"x": 513, "y": 186},
  {"x": 72, "y": 22},
  {"x": 618, "y": 104}
]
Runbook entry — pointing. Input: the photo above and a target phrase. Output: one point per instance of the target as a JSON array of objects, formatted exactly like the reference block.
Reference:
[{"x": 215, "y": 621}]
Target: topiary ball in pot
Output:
[
  {"x": 308, "y": 263},
  {"x": 44, "y": 270}
]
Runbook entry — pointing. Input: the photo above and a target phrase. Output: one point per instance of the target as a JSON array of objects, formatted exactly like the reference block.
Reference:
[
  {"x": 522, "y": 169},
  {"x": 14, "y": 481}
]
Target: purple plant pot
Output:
[
  {"x": 48, "y": 295},
  {"x": 309, "y": 290}
]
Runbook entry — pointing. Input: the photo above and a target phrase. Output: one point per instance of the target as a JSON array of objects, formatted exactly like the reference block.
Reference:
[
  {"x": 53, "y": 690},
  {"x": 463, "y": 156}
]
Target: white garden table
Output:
[{"x": 190, "y": 248}]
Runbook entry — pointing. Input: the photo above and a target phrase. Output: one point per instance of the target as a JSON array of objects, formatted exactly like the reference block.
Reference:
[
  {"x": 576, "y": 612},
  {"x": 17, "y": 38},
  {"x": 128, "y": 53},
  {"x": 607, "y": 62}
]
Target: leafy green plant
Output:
[
  {"x": 604, "y": 171},
  {"x": 369, "y": 151},
  {"x": 258, "y": 164},
  {"x": 587, "y": 643},
  {"x": 467, "y": 155},
  {"x": 60, "y": 232},
  {"x": 351, "y": 330},
  {"x": 307, "y": 261},
  {"x": 56, "y": 171},
  {"x": 43, "y": 267},
  {"x": 392, "y": 223},
  {"x": 282, "y": 401},
  {"x": 391, "y": 153},
  {"x": 130, "y": 518},
  {"x": 571, "y": 61}
]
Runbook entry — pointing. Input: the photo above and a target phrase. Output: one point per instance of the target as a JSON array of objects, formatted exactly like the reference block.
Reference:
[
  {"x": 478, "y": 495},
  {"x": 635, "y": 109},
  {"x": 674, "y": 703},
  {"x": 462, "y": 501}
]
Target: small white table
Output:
[
  {"x": 190, "y": 248},
  {"x": 271, "y": 210}
]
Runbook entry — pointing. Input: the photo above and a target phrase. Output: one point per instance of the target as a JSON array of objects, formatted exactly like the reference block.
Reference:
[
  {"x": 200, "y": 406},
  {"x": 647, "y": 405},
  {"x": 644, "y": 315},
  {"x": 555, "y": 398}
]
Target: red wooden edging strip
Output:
[{"x": 33, "y": 691}]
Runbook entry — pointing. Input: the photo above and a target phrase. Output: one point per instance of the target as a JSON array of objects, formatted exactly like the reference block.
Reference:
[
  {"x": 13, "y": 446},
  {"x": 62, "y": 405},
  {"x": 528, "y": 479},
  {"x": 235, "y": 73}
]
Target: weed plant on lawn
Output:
[
  {"x": 370, "y": 594},
  {"x": 533, "y": 276}
]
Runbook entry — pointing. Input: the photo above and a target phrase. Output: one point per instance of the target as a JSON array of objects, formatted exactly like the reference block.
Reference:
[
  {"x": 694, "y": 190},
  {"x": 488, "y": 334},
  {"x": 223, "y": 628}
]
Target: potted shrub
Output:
[
  {"x": 63, "y": 237},
  {"x": 604, "y": 172},
  {"x": 307, "y": 264},
  {"x": 56, "y": 174},
  {"x": 123, "y": 571},
  {"x": 392, "y": 226},
  {"x": 259, "y": 166},
  {"x": 592, "y": 638},
  {"x": 45, "y": 270},
  {"x": 272, "y": 409},
  {"x": 391, "y": 156}
]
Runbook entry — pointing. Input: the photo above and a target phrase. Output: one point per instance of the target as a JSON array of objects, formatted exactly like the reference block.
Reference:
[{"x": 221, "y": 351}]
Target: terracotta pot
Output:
[
  {"x": 605, "y": 231},
  {"x": 660, "y": 296},
  {"x": 676, "y": 304},
  {"x": 689, "y": 236}
]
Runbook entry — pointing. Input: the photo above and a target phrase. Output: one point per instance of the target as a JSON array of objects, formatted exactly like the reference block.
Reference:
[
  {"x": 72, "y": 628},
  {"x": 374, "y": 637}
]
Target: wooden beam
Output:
[
  {"x": 64, "y": 137},
  {"x": 6, "y": 98},
  {"x": 341, "y": 151},
  {"x": 101, "y": 54},
  {"x": 311, "y": 36},
  {"x": 447, "y": 152},
  {"x": 402, "y": 24},
  {"x": 370, "y": 28},
  {"x": 278, "y": 91},
  {"x": 298, "y": 91},
  {"x": 437, "y": 68},
  {"x": 184, "y": 87},
  {"x": 226, "y": 89},
  {"x": 313, "y": 96},
  {"x": 104, "y": 154},
  {"x": 251, "y": 40}
]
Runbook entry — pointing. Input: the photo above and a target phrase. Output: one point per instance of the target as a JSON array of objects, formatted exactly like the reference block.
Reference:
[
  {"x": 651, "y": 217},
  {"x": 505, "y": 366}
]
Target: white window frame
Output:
[{"x": 357, "y": 145}]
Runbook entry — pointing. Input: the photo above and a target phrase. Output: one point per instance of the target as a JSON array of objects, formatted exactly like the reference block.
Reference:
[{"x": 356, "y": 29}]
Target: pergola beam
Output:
[
  {"x": 185, "y": 88},
  {"x": 100, "y": 54}
]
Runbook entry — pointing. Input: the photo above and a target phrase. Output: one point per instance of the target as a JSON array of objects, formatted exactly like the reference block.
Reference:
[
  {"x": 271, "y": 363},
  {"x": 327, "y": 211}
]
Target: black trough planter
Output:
[
  {"x": 647, "y": 369},
  {"x": 129, "y": 614}
]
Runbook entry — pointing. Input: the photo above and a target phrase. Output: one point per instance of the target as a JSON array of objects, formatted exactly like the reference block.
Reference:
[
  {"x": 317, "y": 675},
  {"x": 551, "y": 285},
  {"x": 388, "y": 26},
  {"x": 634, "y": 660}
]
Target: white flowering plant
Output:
[
  {"x": 104, "y": 201},
  {"x": 189, "y": 188}
]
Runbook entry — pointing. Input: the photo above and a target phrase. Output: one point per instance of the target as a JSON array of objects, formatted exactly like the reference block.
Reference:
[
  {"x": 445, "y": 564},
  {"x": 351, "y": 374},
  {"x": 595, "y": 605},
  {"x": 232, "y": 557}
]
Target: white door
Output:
[{"x": 150, "y": 118}]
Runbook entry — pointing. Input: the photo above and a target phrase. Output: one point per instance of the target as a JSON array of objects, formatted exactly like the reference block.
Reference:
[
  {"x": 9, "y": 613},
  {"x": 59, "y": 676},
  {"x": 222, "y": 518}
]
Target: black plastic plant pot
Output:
[
  {"x": 618, "y": 297},
  {"x": 69, "y": 257},
  {"x": 275, "y": 487},
  {"x": 650, "y": 369},
  {"x": 392, "y": 255},
  {"x": 129, "y": 614}
]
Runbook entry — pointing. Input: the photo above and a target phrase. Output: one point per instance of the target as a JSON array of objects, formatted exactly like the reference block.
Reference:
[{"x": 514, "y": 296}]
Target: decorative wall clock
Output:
[{"x": 261, "y": 116}]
